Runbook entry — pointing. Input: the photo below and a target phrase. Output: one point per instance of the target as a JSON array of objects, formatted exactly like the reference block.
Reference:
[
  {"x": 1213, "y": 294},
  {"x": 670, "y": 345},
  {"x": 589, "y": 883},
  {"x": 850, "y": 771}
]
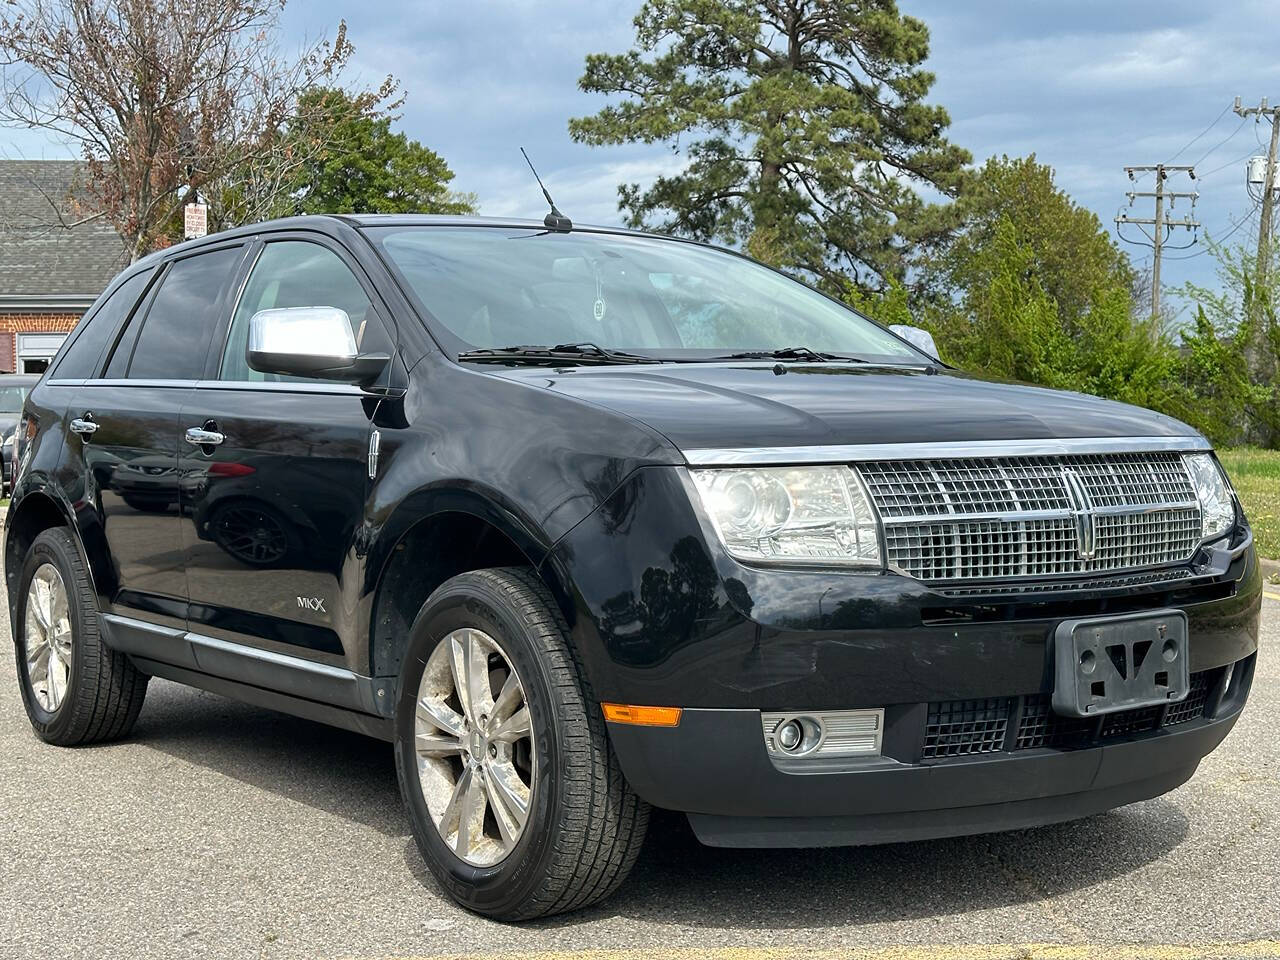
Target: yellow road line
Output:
[
  {"x": 1252, "y": 950},
  {"x": 1273, "y": 596}
]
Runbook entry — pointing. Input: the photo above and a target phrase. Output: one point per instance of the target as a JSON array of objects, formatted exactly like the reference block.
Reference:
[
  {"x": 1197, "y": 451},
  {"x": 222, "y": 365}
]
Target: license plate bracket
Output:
[{"x": 1106, "y": 664}]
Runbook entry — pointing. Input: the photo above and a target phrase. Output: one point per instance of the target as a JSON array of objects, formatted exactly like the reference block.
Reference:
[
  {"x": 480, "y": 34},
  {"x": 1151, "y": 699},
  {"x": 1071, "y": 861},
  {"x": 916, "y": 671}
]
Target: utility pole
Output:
[
  {"x": 1269, "y": 185},
  {"x": 1161, "y": 224},
  {"x": 1256, "y": 354}
]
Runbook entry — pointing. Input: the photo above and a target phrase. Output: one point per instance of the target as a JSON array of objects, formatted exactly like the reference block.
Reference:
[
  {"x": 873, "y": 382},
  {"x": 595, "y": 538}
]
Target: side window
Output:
[
  {"x": 80, "y": 362},
  {"x": 173, "y": 343},
  {"x": 298, "y": 273}
]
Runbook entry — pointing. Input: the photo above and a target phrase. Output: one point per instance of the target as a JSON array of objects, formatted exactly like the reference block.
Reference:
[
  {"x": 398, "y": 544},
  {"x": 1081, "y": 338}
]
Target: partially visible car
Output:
[{"x": 14, "y": 388}]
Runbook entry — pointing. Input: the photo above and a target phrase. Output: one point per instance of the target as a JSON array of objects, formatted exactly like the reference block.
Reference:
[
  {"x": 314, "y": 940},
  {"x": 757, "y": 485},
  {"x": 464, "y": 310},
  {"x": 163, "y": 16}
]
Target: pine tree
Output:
[{"x": 803, "y": 123}]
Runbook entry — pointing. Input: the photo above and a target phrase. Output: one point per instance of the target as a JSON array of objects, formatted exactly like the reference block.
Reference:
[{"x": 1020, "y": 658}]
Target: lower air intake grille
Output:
[
  {"x": 958, "y": 728},
  {"x": 1041, "y": 727},
  {"x": 1127, "y": 722},
  {"x": 1192, "y": 708}
]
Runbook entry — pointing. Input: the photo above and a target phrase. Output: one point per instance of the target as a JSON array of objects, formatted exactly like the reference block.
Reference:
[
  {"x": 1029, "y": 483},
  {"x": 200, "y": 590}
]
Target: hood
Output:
[{"x": 734, "y": 405}]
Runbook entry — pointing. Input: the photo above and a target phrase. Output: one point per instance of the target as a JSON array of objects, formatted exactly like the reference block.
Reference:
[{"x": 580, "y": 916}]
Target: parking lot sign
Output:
[{"x": 196, "y": 219}]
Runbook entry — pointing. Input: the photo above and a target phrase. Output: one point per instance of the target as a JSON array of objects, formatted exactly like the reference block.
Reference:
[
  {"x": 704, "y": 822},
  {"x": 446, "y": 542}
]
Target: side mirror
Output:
[
  {"x": 920, "y": 339},
  {"x": 310, "y": 342}
]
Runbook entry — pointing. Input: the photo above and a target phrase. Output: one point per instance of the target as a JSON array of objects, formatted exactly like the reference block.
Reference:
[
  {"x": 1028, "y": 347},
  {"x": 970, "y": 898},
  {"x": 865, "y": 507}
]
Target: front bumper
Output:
[
  {"x": 662, "y": 616},
  {"x": 714, "y": 767}
]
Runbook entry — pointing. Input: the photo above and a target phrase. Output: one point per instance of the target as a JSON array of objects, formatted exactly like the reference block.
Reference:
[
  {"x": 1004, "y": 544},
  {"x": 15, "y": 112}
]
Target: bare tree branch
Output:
[{"x": 165, "y": 99}]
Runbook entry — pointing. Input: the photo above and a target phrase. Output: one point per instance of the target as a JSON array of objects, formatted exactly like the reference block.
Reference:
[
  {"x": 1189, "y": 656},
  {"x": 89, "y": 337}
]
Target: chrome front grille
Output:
[{"x": 1000, "y": 518}]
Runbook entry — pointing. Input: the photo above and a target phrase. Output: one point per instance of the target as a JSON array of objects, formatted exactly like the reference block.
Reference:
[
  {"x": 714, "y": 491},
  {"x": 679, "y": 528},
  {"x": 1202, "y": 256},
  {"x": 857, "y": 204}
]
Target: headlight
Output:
[
  {"x": 792, "y": 514},
  {"x": 1217, "y": 506}
]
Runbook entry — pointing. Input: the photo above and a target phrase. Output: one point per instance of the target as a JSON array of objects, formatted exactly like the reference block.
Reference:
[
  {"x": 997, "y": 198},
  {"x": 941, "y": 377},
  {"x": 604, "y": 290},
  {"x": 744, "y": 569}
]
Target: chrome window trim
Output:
[
  {"x": 853, "y": 453},
  {"x": 266, "y": 386},
  {"x": 343, "y": 389},
  {"x": 126, "y": 382}
]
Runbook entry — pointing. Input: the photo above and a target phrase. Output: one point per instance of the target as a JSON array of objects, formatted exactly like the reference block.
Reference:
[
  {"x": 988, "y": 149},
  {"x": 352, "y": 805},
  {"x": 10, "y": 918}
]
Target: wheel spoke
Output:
[
  {"x": 60, "y": 614},
  {"x": 471, "y": 813},
  {"x": 479, "y": 693},
  {"x": 435, "y": 745},
  {"x": 458, "y": 663},
  {"x": 440, "y": 716},
  {"x": 57, "y": 682},
  {"x": 508, "y": 799},
  {"x": 513, "y": 728},
  {"x": 449, "y": 818},
  {"x": 38, "y": 602},
  {"x": 510, "y": 697},
  {"x": 62, "y": 647},
  {"x": 38, "y": 663}
]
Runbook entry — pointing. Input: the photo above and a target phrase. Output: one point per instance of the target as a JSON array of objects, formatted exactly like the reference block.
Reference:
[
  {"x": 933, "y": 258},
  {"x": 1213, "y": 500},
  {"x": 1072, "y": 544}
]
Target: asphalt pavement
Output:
[{"x": 222, "y": 830}]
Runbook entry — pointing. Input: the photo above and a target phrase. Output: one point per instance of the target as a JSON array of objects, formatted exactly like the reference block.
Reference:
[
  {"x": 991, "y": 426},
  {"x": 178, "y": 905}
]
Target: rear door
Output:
[
  {"x": 128, "y": 419},
  {"x": 272, "y": 511},
  {"x": 80, "y": 362}
]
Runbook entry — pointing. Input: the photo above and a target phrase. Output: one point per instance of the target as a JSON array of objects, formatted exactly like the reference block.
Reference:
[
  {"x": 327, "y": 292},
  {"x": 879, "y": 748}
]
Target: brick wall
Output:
[{"x": 12, "y": 324}]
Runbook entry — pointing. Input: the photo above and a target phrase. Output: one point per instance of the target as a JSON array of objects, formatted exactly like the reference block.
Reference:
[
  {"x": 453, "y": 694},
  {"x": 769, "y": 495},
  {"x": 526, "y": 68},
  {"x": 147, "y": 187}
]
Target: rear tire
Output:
[
  {"x": 75, "y": 688},
  {"x": 584, "y": 826}
]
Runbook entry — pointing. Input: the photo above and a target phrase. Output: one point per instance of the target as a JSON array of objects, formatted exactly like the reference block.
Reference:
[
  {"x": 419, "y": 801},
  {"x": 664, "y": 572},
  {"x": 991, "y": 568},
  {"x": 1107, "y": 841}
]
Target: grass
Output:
[{"x": 1256, "y": 477}]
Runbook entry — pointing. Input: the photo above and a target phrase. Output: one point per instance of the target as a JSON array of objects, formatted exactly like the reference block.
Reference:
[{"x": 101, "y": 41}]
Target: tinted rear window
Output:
[
  {"x": 81, "y": 359},
  {"x": 174, "y": 342}
]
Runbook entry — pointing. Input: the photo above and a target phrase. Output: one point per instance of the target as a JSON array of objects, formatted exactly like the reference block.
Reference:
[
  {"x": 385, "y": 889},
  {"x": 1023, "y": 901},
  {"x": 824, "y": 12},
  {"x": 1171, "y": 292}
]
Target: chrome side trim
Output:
[
  {"x": 344, "y": 389},
  {"x": 124, "y": 382},
  {"x": 852, "y": 453},
  {"x": 268, "y": 669}
]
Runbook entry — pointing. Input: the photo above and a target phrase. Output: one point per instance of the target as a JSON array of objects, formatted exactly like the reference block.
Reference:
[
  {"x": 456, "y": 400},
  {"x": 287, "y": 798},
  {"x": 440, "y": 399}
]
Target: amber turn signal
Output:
[{"x": 641, "y": 716}]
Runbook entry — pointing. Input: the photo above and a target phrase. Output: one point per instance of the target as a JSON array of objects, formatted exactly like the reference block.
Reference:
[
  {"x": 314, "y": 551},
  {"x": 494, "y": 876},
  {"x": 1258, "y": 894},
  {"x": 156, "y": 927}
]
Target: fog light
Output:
[
  {"x": 835, "y": 733},
  {"x": 789, "y": 735}
]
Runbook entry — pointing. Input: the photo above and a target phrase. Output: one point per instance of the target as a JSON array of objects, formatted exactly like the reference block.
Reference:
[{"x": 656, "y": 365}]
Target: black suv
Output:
[{"x": 583, "y": 520}]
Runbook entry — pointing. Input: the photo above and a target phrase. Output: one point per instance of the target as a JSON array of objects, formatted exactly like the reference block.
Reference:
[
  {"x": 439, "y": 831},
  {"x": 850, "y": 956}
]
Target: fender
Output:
[
  {"x": 456, "y": 496},
  {"x": 35, "y": 497}
]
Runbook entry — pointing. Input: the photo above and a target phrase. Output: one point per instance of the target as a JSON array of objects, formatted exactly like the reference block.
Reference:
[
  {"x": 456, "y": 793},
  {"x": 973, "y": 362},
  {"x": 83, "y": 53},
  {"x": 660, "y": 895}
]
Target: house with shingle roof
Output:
[{"x": 52, "y": 265}]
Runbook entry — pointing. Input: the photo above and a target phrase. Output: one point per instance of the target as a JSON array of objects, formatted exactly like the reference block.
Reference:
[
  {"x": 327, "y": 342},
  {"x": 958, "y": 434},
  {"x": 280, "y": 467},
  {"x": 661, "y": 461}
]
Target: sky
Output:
[{"x": 1088, "y": 86}]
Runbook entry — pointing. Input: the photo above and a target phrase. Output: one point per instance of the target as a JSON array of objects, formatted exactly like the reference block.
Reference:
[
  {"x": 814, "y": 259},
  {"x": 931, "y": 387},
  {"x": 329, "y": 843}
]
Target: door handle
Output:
[
  {"x": 85, "y": 426},
  {"x": 203, "y": 437}
]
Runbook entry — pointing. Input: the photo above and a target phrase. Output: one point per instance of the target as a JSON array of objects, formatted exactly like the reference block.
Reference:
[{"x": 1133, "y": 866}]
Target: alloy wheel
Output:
[
  {"x": 47, "y": 637},
  {"x": 474, "y": 747}
]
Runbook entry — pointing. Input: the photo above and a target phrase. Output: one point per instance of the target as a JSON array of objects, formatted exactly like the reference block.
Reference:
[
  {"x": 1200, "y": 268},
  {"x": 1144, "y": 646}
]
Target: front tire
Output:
[
  {"x": 75, "y": 688},
  {"x": 497, "y": 730}
]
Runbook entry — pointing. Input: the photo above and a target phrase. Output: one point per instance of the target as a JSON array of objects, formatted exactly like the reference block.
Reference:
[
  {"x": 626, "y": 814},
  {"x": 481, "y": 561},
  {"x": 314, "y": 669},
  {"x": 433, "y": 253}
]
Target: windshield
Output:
[
  {"x": 11, "y": 399},
  {"x": 495, "y": 287}
]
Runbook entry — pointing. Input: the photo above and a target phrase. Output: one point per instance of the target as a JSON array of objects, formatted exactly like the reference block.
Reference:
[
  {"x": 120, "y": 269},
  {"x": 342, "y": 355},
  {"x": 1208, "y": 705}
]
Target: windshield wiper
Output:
[
  {"x": 789, "y": 353},
  {"x": 561, "y": 353}
]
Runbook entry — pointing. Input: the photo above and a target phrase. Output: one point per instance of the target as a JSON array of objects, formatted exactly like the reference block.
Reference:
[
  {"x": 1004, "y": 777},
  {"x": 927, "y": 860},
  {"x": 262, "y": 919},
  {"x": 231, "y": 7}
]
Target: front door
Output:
[
  {"x": 129, "y": 422},
  {"x": 274, "y": 472}
]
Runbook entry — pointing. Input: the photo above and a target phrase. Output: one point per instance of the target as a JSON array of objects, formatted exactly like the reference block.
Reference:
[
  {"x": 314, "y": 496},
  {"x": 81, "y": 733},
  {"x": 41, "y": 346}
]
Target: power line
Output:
[
  {"x": 1220, "y": 144},
  {"x": 1229, "y": 163},
  {"x": 1200, "y": 134}
]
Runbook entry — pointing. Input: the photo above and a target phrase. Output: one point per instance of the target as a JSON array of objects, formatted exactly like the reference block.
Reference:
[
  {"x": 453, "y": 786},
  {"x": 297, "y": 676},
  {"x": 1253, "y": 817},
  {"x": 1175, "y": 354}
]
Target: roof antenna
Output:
[{"x": 555, "y": 220}]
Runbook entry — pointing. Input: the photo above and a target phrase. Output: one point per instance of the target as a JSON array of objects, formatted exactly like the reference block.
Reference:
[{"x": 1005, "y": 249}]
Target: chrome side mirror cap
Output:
[
  {"x": 920, "y": 339},
  {"x": 310, "y": 342}
]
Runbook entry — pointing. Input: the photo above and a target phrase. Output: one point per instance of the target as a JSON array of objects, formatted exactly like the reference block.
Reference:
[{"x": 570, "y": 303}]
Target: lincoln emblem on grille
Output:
[{"x": 1081, "y": 513}]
